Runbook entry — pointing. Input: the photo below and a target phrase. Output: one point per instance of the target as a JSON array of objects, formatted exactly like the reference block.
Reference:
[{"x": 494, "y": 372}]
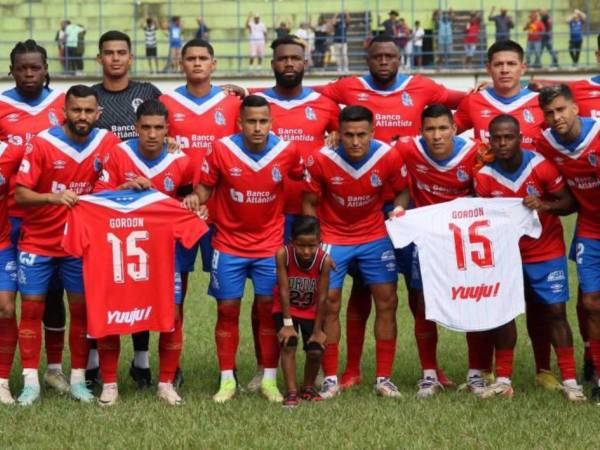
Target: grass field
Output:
[{"x": 357, "y": 419}]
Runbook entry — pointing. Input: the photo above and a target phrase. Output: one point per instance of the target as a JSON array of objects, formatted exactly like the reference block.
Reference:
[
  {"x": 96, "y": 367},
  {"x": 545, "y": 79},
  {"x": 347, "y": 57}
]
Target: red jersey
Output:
[
  {"x": 396, "y": 110},
  {"x": 578, "y": 163},
  {"x": 305, "y": 120},
  {"x": 432, "y": 181},
  {"x": 125, "y": 163},
  {"x": 538, "y": 177},
  {"x": 352, "y": 193},
  {"x": 303, "y": 283},
  {"x": 128, "y": 252},
  {"x": 587, "y": 96},
  {"x": 198, "y": 122},
  {"x": 53, "y": 165},
  {"x": 478, "y": 109},
  {"x": 248, "y": 194},
  {"x": 10, "y": 158}
]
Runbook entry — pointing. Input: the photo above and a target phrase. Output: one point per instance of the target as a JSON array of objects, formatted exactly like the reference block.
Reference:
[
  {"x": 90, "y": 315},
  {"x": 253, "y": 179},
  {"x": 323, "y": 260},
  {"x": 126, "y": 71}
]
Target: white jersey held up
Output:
[{"x": 469, "y": 256}]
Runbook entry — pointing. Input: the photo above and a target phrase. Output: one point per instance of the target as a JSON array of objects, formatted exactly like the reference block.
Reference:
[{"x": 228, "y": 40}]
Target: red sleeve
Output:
[
  {"x": 312, "y": 180},
  {"x": 32, "y": 166},
  {"x": 462, "y": 117},
  {"x": 297, "y": 170},
  {"x": 187, "y": 226},
  {"x": 11, "y": 159},
  {"x": 189, "y": 172},
  {"x": 398, "y": 173},
  {"x": 108, "y": 179},
  {"x": 75, "y": 239},
  {"x": 553, "y": 180},
  {"x": 333, "y": 90},
  {"x": 481, "y": 186},
  {"x": 334, "y": 117},
  {"x": 208, "y": 174},
  {"x": 454, "y": 98}
]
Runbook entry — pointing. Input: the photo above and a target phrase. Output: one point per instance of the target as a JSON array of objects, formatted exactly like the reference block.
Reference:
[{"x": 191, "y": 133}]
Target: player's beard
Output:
[
  {"x": 289, "y": 83},
  {"x": 72, "y": 126}
]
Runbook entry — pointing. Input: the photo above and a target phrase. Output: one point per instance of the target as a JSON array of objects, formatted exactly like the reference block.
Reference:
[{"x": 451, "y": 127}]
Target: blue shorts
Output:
[
  {"x": 186, "y": 257},
  {"x": 178, "y": 289},
  {"x": 573, "y": 249},
  {"x": 416, "y": 282},
  {"x": 587, "y": 258},
  {"x": 375, "y": 260},
  {"x": 404, "y": 259},
  {"x": 229, "y": 272},
  {"x": 8, "y": 269},
  {"x": 36, "y": 271},
  {"x": 549, "y": 280},
  {"x": 287, "y": 230},
  {"x": 15, "y": 229}
]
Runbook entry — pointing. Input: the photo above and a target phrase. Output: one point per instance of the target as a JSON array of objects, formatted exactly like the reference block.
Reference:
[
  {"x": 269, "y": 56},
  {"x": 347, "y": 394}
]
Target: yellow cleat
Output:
[
  {"x": 227, "y": 391},
  {"x": 546, "y": 379}
]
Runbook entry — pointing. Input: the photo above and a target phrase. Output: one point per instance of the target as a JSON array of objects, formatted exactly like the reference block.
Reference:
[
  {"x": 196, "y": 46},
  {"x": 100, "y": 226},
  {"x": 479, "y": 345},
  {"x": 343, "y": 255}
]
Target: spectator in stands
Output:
[
  {"x": 504, "y": 24},
  {"x": 576, "y": 22},
  {"x": 60, "y": 38},
  {"x": 306, "y": 33},
  {"x": 417, "y": 43},
  {"x": 175, "y": 33},
  {"x": 203, "y": 32},
  {"x": 472, "y": 32},
  {"x": 257, "y": 36},
  {"x": 546, "y": 41},
  {"x": 73, "y": 48},
  {"x": 444, "y": 36},
  {"x": 340, "y": 40},
  {"x": 151, "y": 43},
  {"x": 282, "y": 30},
  {"x": 322, "y": 32},
  {"x": 389, "y": 25},
  {"x": 403, "y": 33},
  {"x": 535, "y": 29}
]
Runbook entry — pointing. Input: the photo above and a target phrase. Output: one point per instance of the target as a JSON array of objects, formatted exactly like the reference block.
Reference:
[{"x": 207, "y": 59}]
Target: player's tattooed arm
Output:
[
  {"x": 563, "y": 204},
  {"x": 27, "y": 197},
  {"x": 318, "y": 334},
  {"x": 286, "y": 331}
]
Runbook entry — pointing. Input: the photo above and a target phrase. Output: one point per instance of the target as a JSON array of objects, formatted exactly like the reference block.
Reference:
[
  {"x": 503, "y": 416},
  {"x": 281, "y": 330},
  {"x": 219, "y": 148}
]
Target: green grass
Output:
[{"x": 357, "y": 419}]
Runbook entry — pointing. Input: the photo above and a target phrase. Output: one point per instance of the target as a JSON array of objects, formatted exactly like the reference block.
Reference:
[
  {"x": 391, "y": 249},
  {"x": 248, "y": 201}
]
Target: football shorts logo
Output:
[
  {"x": 169, "y": 184},
  {"x": 276, "y": 174},
  {"x": 531, "y": 190},
  {"x": 14, "y": 117},
  {"x": 593, "y": 159},
  {"x": 219, "y": 118},
  {"x": 362, "y": 96},
  {"x": 53, "y": 118},
  {"x": 310, "y": 113},
  {"x": 462, "y": 175},
  {"x": 178, "y": 117},
  {"x": 136, "y": 102},
  {"x": 528, "y": 116},
  {"x": 375, "y": 180},
  {"x": 236, "y": 196},
  {"x": 557, "y": 275},
  {"x": 406, "y": 99},
  {"x": 388, "y": 255},
  {"x": 59, "y": 164}
]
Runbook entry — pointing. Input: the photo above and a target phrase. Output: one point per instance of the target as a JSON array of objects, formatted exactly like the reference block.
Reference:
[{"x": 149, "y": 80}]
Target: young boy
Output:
[{"x": 303, "y": 280}]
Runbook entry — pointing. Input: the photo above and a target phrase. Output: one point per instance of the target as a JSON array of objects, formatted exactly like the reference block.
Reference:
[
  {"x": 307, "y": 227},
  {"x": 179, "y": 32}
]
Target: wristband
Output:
[{"x": 288, "y": 322}]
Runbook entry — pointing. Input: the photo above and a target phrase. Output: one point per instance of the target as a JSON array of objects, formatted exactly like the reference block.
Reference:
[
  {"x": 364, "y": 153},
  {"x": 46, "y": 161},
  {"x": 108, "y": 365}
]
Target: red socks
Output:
[
  {"x": 357, "y": 314},
  {"x": 78, "y": 342},
  {"x": 108, "y": 350},
  {"x": 169, "y": 352},
  {"x": 55, "y": 343},
  {"x": 330, "y": 360},
  {"x": 504, "y": 363},
  {"x": 227, "y": 334},
  {"x": 30, "y": 333},
  {"x": 481, "y": 351},
  {"x": 427, "y": 337},
  {"x": 267, "y": 336},
  {"x": 385, "y": 352},
  {"x": 8, "y": 345},
  {"x": 565, "y": 358}
]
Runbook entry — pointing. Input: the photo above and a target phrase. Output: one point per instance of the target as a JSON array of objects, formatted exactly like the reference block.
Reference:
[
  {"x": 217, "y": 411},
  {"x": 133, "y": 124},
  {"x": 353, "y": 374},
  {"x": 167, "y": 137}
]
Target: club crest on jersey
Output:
[
  {"x": 169, "y": 184},
  {"x": 136, "y": 102},
  {"x": 276, "y": 174},
  {"x": 375, "y": 180},
  {"x": 97, "y": 164},
  {"x": 593, "y": 159},
  {"x": 53, "y": 118},
  {"x": 310, "y": 113},
  {"x": 406, "y": 99},
  {"x": 528, "y": 116},
  {"x": 462, "y": 175},
  {"x": 219, "y": 118},
  {"x": 531, "y": 190}
]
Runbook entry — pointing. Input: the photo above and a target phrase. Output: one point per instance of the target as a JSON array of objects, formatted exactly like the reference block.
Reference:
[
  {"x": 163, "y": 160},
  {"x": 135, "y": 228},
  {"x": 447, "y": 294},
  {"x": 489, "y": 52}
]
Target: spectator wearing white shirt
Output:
[
  {"x": 417, "y": 43},
  {"x": 305, "y": 33},
  {"x": 257, "y": 36}
]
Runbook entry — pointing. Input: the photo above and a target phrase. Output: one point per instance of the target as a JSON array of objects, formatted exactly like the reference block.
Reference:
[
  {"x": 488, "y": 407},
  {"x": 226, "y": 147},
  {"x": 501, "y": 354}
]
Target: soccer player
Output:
[
  {"x": 571, "y": 143},
  {"x": 64, "y": 162},
  {"x": 506, "y": 67},
  {"x": 245, "y": 173},
  {"x": 143, "y": 163},
  {"x": 440, "y": 168},
  {"x": 303, "y": 281},
  {"x": 522, "y": 173},
  {"x": 351, "y": 179},
  {"x": 119, "y": 97},
  {"x": 28, "y": 108}
]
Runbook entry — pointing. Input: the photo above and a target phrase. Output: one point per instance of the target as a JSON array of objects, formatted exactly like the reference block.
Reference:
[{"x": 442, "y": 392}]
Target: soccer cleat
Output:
[
  {"x": 310, "y": 394},
  {"x": 79, "y": 391},
  {"x": 385, "y": 388},
  {"x": 498, "y": 390},
  {"x": 109, "y": 395},
  {"x": 167, "y": 393},
  {"x": 589, "y": 373},
  {"x": 546, "y": 379},
  {"x": 226, "y": 392},
  {"x": 291, "y": 400},
  {"x": 595, "y": 395},
  {"x": 573, "y": 393},
  {"x": 349, "y": 380},
  {"x": 57, "y": 380},
  {"x": 254, "y": 385},
  {"x": 329, "y": 389},
  {"x": 29, "y": 395},
  {"x": 178, "y": 380},
  {"x": 142, "y": 377},
  {"x": 5, "y": 396},
  {"x": 92, "y": 379},
  {"x": 268, "y": 388},
  {"x": 428, "y": 387},
  {"x": 444, "y": 380},
  {"x": 475, "y": 384}
]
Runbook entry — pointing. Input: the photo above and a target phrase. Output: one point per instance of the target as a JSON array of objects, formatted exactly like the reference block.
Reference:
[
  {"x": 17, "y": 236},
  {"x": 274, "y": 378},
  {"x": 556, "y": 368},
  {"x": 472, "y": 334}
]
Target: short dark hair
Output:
[
  {"x": 304, "y": 225},
  {"x": 80, "y": 91},
  {"x": 114, "y": 35},
  {"x": 549, "y": 93},
  {"x": 254, "y": 101},
  {"x": 356, "y": 113},
  {"x": 152, "y": 107},
  {"x": 197, "y": 42},
  {"x": 393, "y": 12},
  {"x": 504, "y": 46},
  {"x": 381, "y": 38},
  {"x": 504, "y": 118},
  {"x": 436, "y": 110},
  {"x": 290, "y": 39}
]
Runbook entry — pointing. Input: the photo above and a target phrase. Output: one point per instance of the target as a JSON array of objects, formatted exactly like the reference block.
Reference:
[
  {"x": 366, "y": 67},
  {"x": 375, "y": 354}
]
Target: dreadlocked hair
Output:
[{"x": 30, "y": 46}]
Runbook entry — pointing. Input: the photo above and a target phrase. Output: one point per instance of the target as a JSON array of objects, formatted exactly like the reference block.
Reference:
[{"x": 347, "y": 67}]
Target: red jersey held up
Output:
[
  {"x": 303, "y": 285},
  {"x": 248, "y": 194},
  {"x": 53, "y": 165},
  {"x": 587, "y": 96},
  {"x": 10, "y": 159},
  {"x": 128, "y": 251}
]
